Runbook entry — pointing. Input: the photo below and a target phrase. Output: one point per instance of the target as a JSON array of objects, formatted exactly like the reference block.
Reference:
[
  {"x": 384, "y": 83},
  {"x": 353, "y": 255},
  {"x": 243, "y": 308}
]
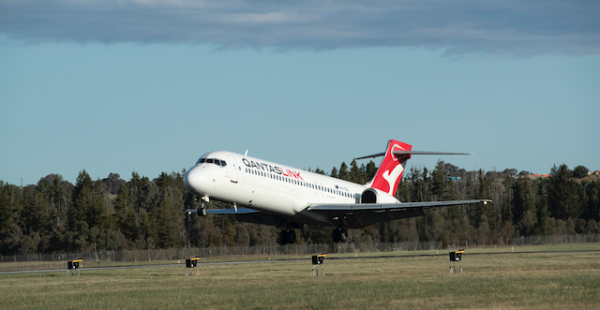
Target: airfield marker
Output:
[
  {"x": 317, "y": 260},
  {"x": 191, "y": 263},
  {"x": 72, "y": 265},
  {"x": 455, "y": 257}
]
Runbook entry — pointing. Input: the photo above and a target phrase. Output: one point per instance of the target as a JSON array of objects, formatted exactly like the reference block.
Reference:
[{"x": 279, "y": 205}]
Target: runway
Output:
[
  {"x": 275, "y": 261},
  {"x": 151, "y": 266}
]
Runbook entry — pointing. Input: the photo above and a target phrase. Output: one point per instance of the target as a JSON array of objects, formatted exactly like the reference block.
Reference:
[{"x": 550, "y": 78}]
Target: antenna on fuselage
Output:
[{"x": 246, "y": 154}]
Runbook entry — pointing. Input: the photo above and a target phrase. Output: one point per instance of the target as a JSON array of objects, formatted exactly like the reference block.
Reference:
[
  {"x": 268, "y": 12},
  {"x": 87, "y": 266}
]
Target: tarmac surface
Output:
[{"x": 270, "y": 261}]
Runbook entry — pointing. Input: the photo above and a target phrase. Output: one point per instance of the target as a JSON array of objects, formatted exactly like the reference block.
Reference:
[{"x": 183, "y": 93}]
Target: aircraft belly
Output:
[
  {"x": 281, "y": 204},
  {"x": 368, "y": 218},
  {"x": 314, "y": 218}
]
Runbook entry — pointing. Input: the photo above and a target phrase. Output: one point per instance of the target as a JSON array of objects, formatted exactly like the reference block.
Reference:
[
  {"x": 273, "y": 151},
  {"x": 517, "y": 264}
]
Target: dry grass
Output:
[{"x": 505, "y": 281}]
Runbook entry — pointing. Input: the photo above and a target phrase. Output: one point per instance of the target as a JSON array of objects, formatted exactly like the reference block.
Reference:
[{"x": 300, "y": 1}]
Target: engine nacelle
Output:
[{"x": 373, "y": 195}]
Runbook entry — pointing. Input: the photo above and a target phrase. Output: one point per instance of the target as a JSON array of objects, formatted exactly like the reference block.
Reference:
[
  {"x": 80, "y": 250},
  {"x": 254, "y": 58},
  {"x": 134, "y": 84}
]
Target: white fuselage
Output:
[{"x": 269, "y": 187}]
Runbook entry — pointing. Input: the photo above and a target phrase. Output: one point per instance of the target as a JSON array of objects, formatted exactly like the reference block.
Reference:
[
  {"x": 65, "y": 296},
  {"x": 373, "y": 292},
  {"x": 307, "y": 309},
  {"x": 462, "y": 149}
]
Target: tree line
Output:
[{"x": 112, "y": 214}]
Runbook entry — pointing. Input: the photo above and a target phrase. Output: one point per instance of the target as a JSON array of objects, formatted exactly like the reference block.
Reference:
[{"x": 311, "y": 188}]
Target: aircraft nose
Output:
[{"x": 194, "y": 181}]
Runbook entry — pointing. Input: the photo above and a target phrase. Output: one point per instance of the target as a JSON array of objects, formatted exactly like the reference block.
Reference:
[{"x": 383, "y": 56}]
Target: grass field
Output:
[{"x": 495, "y": 281}]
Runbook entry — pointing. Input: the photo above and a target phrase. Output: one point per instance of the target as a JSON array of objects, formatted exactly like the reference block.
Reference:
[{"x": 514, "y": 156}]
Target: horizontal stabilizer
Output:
[
  {"x": 225, "y": 211},
  {"x": 414, "y": 153}
]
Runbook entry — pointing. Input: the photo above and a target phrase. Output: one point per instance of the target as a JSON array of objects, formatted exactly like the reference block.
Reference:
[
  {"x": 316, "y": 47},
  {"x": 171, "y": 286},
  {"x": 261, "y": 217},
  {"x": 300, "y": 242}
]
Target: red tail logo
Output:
[{"x": 390, "y": 171}]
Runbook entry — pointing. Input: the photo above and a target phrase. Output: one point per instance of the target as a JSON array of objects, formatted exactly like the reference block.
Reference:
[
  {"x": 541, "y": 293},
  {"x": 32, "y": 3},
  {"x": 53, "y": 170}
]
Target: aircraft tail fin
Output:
[{"x": 390, "y": 171}]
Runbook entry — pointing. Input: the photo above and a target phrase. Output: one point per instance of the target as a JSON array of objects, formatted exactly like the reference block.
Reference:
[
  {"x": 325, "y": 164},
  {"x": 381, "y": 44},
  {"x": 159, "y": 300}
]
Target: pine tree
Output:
[
  {"x": 5, "y": 210},
  {"x": 521, "y": 199},
  {"x": 484, "y": 211},
  {"x": 144, "y": 230},
  {"x": 355, "y": 173},
  {"x": 121, "y": 206},
  {"x": 507, "y": 202},
  {"x": 343, "y": 173},
  {"x": 334, "y": 172},
  {"x": 164, "y": 232},
  {"x": 439, "y": 181},
  {"x": 96, "y": 214},
  {"x": 592, "y": 205},
  {"x": 563, "y": 200},
  {"x": 135, "y": 192},
  {"x": 371, "y": 171},
  {"x": 542, "y": 210},
  {"x": 82, "y": 200},
  {"x": 129, "y": 226}
]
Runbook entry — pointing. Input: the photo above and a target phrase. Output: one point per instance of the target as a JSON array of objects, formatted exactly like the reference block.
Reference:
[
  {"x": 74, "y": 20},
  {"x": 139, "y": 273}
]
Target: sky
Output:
[{"x": 149, "y": 86}]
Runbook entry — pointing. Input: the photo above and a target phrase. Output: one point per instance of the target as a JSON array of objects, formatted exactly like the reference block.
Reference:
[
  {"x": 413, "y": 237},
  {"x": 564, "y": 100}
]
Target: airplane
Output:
[{"x": 267, "y": 193}]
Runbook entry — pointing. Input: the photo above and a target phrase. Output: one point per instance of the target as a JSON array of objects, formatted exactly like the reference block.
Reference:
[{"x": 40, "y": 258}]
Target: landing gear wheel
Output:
[
  {"x": 343, "y": 233},
  {"x": 335, "y": 236},
  {"x": 339, "y": 235},
  {"x": 291, "y": 236},
  {"x": 201, "y": 212}
]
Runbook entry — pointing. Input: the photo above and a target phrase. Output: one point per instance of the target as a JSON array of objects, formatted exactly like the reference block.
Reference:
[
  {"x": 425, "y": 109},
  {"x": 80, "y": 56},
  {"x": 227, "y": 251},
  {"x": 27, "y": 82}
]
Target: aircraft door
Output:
[{"x": 235, "y": 169}]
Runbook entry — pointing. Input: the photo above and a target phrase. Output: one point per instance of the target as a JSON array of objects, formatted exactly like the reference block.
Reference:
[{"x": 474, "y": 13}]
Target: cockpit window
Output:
[{"x": 215, "y": 161}]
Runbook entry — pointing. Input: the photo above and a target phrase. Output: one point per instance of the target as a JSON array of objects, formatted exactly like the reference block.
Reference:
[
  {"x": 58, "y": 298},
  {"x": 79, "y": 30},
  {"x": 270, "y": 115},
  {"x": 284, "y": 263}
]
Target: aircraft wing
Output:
[
  {"x": 360, "y": 215},
  {"x": 390, "y": 206},
  {"x": 225, "y": 211},
  {"x": 246, "y": 215}
]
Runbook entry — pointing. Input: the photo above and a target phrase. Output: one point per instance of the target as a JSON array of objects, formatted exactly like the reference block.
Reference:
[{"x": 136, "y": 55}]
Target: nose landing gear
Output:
[{"x": 202, "y": 209}]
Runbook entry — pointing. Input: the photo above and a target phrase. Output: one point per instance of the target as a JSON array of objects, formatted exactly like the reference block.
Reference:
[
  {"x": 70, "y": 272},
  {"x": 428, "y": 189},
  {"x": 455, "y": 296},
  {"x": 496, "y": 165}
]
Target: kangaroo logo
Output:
[{"x": 391, "y": 178}]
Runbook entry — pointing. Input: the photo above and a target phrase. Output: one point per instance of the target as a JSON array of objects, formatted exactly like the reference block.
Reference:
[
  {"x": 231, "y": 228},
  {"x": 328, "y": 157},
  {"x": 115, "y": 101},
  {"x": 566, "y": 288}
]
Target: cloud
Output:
[{"x": 513, "y": 27}]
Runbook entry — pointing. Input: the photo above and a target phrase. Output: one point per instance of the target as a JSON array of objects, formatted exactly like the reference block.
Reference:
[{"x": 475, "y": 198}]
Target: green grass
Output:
[{"x": 518, "y": 281}]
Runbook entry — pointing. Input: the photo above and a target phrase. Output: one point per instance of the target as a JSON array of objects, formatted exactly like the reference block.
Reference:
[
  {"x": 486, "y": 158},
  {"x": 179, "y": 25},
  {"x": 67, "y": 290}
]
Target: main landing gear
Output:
[
  {"x": 288, "y": 236},
  {"x": 339, "y": 235}
]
